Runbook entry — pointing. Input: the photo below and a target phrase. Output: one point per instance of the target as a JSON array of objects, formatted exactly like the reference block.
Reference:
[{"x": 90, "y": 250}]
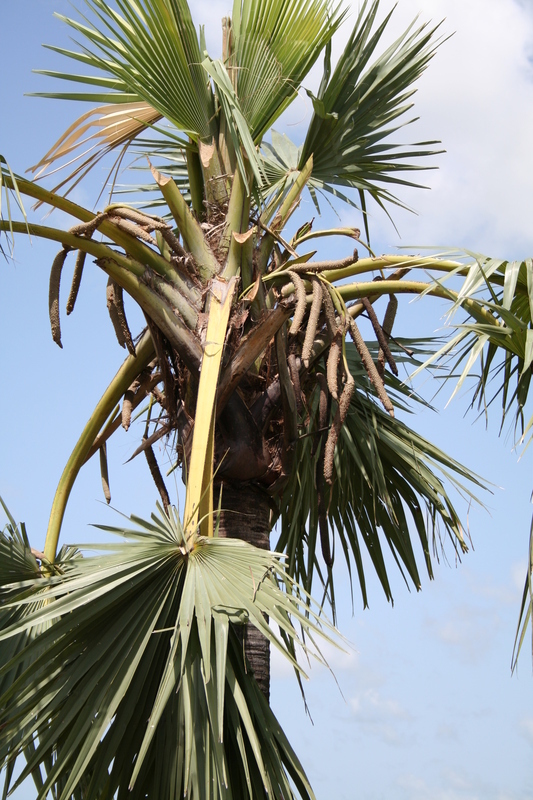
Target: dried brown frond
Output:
[{"x": 157, "y": 477}]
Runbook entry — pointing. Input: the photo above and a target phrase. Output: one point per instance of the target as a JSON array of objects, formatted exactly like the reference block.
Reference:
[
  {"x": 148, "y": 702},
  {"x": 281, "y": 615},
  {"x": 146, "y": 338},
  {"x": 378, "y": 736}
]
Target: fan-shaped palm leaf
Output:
[
  {"x": 358, "y": 103},
  {"x": 139, "y": 679}
]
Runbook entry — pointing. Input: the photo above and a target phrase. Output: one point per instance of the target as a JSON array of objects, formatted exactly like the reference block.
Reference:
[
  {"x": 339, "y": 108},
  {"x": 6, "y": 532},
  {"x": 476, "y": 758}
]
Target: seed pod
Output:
[
  {"x": 157, "y": 477},
  {"x": 388, "y": 322},
  {"x": 329, "y": 309},
  {"x": 322, "y": 401},
  {"x": 380, "y": 335},
  {"x": 338, "y": 422},
  {"x": 334, "y": 356},
  {"x": 295, "y": 378},
  {"x": 134, "y": 215},
  {"x": 88, "y": 228},
  {"x": 301, "y": 302},
  {"x": 370, "y": 367},
  {"x": 127, "y": 407},
  {"x": 133, "y": 229},
  {"x": 104, "y": 473},
  {"x": 53, "y": 294},
  {"x": 76, "y": 280},
  {"x": 312, "y": 323},
  {"x": 115, "y": 306},
  {"x": 172, "y": 240}
]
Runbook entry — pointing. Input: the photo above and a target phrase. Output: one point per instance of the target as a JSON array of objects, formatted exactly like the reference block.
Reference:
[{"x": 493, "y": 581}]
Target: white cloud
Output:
[
  {"x": 454, "y": 785},
  {"x": 382, "y": 717},
  {"x": 526, "y": 729},
  {"x": 468, "y": 630}
]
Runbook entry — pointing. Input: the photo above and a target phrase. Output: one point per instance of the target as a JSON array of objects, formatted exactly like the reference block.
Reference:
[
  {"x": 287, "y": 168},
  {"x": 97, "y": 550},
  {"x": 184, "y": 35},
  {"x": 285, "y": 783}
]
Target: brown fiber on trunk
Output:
[{"x": 245, "y": 515}]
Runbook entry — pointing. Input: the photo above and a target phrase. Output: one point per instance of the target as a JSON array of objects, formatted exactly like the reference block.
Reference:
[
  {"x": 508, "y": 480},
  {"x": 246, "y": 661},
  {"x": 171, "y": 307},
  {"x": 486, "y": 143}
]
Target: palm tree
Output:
[{"x": 124, "y": 673}]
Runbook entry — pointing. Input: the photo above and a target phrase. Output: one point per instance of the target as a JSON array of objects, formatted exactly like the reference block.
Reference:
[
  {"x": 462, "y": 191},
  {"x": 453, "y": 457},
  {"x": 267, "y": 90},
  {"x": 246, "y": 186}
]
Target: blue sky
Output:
[{"x": 428, "y": 706}]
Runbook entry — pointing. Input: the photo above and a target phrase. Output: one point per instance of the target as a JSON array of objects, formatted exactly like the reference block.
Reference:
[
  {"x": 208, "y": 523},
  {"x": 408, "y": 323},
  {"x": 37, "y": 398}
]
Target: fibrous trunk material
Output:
[{"x": 245, "y": 514}]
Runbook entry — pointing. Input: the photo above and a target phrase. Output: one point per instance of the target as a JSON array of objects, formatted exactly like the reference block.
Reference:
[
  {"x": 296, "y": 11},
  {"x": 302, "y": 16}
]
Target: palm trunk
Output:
[{"x": 246, "y": 515}]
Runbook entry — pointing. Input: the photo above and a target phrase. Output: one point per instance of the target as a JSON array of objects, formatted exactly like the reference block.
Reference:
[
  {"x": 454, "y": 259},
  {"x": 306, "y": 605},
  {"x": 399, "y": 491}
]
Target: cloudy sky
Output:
[{"x": 425, "y": 705}]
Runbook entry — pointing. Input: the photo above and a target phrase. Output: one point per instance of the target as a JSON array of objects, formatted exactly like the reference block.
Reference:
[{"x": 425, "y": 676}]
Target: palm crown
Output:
[{"x": 245, "y": 362}]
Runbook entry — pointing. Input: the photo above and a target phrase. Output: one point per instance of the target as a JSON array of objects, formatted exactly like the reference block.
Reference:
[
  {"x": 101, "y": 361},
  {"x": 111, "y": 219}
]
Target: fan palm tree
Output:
[{"x": 123, "y": 673}]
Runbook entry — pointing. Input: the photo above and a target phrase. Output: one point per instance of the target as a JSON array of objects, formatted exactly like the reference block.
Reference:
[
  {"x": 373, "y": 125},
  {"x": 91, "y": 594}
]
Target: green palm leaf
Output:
[
  {"x": 356, "y": 109},
  {"x": 386, "y": 480},
  {"x": 137, "y": 677},
  {"x": 275, "y": 45}
]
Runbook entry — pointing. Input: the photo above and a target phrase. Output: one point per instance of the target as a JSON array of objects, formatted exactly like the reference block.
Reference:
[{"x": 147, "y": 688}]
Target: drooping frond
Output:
[
  {"x": 99, "y": 132},
  {"x": 387, "y": 479}
]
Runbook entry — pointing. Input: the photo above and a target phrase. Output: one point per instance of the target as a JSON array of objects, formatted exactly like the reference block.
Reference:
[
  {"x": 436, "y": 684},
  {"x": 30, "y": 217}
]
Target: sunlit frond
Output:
[
  {"x": 358, "y": 105},
  {"x": 139, "y": 680},
  {"x": 275, "y": 45}
]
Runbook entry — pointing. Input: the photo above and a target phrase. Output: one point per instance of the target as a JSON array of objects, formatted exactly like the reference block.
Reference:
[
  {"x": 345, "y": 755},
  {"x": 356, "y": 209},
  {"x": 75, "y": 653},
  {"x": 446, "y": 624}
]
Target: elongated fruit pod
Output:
[
  {"x": 301, "y": 302},
  {"x": 388, "y": 322},
  {"x": 53, "y": 294},
  {"x": 334, "y": 356},
  {"x": 338, "y": 422},
  {"x": 157, "y": 477},
  {"x": 329, "y": 309},
  {"x": 323, "y": 410},
  {"x": 127, "y": 404},
  {"x": 293, "y": 363},
  {"x": 115, "y": 306},
  {"x": 76, "y": 280},
  {"x": 370, "y": 367},
  {"x": 134, "y": 230},
  {"x": 312, "y": 322},
  {"x": 104, "y": 473},
  {"x": 383, "y": 339}
]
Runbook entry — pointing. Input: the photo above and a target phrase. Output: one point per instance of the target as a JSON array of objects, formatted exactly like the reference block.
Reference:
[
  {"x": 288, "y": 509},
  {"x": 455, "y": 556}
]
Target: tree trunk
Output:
[{"x": 246, "y": 515}]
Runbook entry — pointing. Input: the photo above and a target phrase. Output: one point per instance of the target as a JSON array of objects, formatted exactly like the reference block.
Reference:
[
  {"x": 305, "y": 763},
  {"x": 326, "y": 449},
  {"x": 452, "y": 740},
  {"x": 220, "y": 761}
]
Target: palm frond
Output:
[
  {"x": 386, "y": 480},
  {"x": 275, "y": 45},
  {"x": 139, "y": 681},
  {"x": 356, "y": 109},
  {"x": 504, "y": 349},
  {"x": 148, "y": 64},
  {"x": 10, "y": 191},
  {"x": 526, "y": 608}
]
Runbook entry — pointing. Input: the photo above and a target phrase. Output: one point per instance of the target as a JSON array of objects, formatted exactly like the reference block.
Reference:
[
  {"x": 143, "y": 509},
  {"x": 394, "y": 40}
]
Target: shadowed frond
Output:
[{"x": 387, "y": 479}]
